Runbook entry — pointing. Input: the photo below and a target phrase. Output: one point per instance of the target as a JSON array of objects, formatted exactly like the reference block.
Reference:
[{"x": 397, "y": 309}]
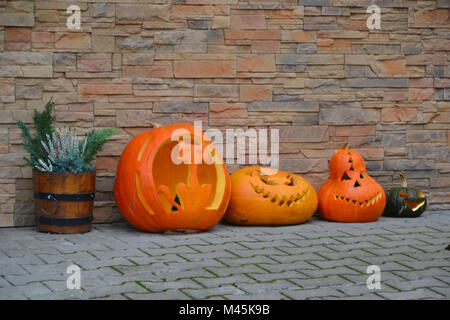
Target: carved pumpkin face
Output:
[
  {"x": 405, "y": 202},
  {"x": 259, "y": 197},
  {"x": 155, "y": 194},
  {"x": 350, "y": 194}
]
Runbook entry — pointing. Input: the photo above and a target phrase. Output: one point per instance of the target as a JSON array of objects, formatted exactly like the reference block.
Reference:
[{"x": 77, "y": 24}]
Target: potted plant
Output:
[{"x": 63, "y": 173}]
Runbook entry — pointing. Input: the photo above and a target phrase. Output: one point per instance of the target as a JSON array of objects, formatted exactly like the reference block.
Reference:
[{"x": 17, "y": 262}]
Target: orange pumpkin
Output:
[
  {"x": 155, "y": 194},
  {"x": 259, "y": 197},
  {"x": 350, "y": 194}
]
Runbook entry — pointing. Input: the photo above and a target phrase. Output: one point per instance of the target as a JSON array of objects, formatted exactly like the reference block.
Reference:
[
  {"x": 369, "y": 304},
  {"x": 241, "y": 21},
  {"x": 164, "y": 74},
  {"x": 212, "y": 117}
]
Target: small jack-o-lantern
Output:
[
  {"x": 404, "y": 201},
  {"x": 259, "y": 196},
  {"x": 165, "y": 184},
  {"x": 350, "y": 194}
]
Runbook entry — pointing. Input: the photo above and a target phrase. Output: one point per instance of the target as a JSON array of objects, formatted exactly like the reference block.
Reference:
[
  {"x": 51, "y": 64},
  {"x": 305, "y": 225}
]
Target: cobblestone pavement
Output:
[{"x": 315, "y": 260}]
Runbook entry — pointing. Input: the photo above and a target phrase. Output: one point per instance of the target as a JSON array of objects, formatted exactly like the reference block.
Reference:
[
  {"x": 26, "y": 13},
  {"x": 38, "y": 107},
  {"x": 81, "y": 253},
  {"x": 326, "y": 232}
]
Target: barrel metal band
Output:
[
  {"x": 64, "y": 197},
  {"x": 65, "y": 222}
]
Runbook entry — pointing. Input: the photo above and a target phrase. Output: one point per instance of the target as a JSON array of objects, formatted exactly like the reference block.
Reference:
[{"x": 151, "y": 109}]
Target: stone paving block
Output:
[
  {"x": 395, "y": 257},
  {"x": 116, "y": 253},
  {"x": 362, "y": 278},
  {"x": 167, "y": 258},
  {"x": 297, "y": 266},
  {"x": 285, "y": 275},
  {"x": 110, "y": 297},
  {"x": 248, "y": 253},
  {"x": 23, "y": 290},
  {"x": 412, "y": 295},
  {"x": 94, "y": 264},
  {"x": 303, "y": 243},
  {"x": 312, "y": 283},
  {"x": 357, "y": 289},
  {"x": 228, "y": 271},
  {"x": 355, "y": 253},
  {"x": 445, "y": 292},
  {"x": 236, "y": 262},
  {"x": 267, "y": 287},
  {"x": 210, "y": 292},
  {"x": 67, "y": 257},
  {"x": 425, "y": 273},
  {"x": 369, "y": 296},
  {"x": 189, "y": 274},
  {"x": 11, "y": 268},
  {"x": 166, "y": 295},
  {"x": 160, "y": 286},
  {"x": 327, "y": 264},
  {"x": 261, "y": 296},
  {"x": 268, "y": 244},
  {"x": 415, "y": 284},
  {"x": 323, "y": 292},
  {"x": 74, "y": 294},
  {"x": 205, "y": 256},
  {"x": 216, "y": 247},
  {"x": 374, "y": 238},
  {"x": 4, "y": 283},
  {"x": 155, "y": 252},
  {"x": 421, "y": 265},
  {"x": 346, "y": 270},
  {"x": 308, "y": 256},
  {"x": 24, "y": 259},
  {"x": 129, "y": 287},
  {"x": 219, "y": 281}
]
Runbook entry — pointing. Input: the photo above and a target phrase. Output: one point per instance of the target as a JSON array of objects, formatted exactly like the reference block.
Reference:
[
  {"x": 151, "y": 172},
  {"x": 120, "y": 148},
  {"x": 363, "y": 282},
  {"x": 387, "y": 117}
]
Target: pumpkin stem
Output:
[
  {"x": 343, "y": 148},
  {"x": 403, "y": 179}
]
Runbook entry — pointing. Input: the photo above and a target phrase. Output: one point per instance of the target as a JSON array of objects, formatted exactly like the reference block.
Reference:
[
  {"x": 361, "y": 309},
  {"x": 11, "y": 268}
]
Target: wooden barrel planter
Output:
[{"x": 64, "y": 201}]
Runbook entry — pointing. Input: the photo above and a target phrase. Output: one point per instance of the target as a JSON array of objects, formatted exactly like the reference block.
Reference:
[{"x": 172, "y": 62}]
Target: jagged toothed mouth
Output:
[
  {"x": 414, "y": 206},
  {"x": 365, "y": 203},
  {"x": 281, "y": 201}
]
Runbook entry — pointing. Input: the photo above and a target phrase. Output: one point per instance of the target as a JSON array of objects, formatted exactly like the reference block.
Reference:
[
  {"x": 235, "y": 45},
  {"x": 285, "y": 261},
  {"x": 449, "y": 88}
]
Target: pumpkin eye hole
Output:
[
  {"x": 404, "y": 194},
  {"x": 345, "y": 176},
  {"x": 357, "y": 184},
  {"x": 361, "y": 175},
  {"x": 420, "y": 195},
  {"x": 292, "y": 182},
  {"x": 267, "y": 181},
  {"x": 352, "y": 169}
]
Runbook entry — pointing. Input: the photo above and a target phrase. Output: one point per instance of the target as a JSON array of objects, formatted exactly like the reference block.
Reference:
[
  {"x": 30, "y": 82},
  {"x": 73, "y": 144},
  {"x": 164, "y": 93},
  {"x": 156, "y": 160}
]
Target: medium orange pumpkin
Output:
[
  {"x": 155, "y": 194},
  {"x": 259, "y": 197},
  {"x": 350, "y": 194}
]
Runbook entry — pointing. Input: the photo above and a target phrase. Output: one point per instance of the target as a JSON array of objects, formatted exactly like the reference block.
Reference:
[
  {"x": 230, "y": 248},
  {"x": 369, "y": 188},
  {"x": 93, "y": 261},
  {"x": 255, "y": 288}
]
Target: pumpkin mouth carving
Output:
[
  {"x": 281, "y": 201},
  {"x": 365, "y": 203},
  {"x": 413, "y": 205}
]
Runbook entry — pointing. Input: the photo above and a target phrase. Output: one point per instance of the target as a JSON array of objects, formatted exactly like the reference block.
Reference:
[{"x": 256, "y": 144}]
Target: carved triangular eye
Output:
[
  {"x": 345, "y": 176},
  {"x": 350, "y": 160},
  {"x": 177, "y": 200},
  {"x": 357, "y": 184},
  {"x": 351, "y": 168},
  {"x": 361, "y": 175}
]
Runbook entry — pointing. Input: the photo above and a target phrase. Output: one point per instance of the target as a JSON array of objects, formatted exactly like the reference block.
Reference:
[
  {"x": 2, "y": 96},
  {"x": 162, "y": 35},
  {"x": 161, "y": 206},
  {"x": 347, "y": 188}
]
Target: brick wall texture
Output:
[{"x": 310, "y": 68}]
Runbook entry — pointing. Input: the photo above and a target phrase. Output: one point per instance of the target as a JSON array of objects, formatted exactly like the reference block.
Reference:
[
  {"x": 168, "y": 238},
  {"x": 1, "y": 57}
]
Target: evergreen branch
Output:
[{"x": 95, "y": 141}]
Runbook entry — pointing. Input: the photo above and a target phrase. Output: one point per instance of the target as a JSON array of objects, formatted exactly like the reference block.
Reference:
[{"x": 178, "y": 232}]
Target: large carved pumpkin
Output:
[
  {"x": 155, "y": 194},
  {"x": 350, "y": 194},
  {"x": 259, "y": 197}
]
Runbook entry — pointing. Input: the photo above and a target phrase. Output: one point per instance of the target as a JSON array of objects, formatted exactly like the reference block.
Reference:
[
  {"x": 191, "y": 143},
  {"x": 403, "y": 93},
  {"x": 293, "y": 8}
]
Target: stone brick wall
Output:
[{"x": 308, "y": 67}]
